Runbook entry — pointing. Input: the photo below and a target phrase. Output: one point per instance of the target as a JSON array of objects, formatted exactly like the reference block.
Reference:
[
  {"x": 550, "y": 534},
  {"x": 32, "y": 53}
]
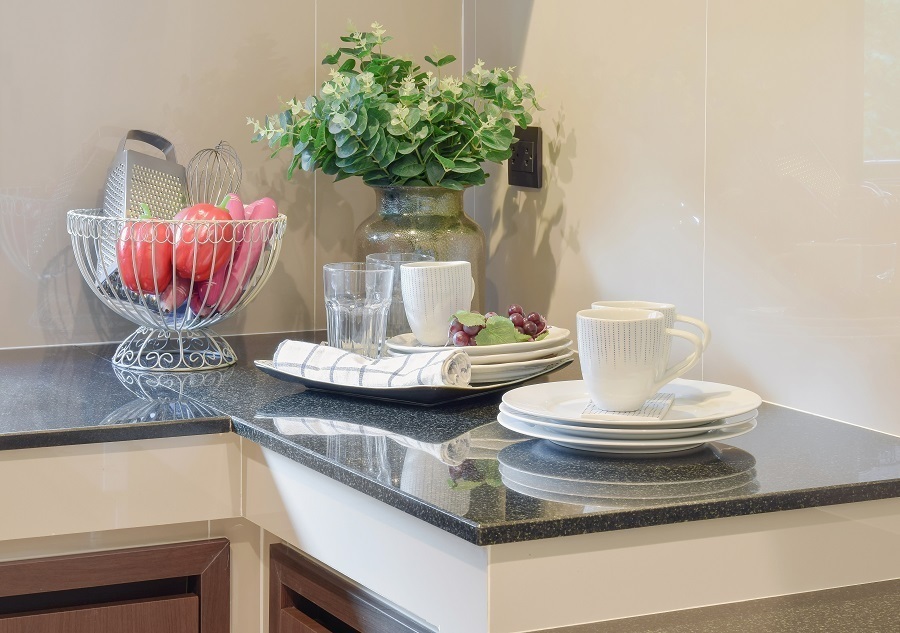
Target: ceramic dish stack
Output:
[
  {"x": 562, "y": 412},
  {"x": 506, "y": 362}
]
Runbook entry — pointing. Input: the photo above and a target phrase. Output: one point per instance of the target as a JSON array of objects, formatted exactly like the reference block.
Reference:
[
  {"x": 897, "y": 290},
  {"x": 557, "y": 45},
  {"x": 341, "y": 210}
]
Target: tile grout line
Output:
[
  {"x": 315, "y": 209},
  {"x": 705, "y": 170}
]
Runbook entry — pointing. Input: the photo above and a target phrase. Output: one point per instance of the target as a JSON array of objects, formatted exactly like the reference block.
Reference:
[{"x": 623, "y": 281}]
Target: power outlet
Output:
[{"x": 525, "y": 165}]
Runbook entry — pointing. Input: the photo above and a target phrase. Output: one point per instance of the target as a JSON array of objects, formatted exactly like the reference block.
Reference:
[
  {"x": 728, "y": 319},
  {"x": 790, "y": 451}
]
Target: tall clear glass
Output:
[
  {"x": 357, "y": 300},
  {"x": 397, "y": 322}
]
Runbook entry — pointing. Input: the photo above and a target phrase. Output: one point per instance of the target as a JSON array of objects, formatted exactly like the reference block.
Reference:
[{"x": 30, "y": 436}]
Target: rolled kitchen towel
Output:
[{"x": 445, "y": 368}]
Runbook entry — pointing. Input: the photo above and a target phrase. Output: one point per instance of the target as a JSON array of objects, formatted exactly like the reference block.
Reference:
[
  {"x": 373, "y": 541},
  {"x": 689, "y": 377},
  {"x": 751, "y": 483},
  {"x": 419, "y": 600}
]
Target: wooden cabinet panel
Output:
[
  {"x": 172, "y": 614},
  {"x": 293, "y": 621},
  {"x": 182, "y": 587},
  {"x": 307, "y": 597}
]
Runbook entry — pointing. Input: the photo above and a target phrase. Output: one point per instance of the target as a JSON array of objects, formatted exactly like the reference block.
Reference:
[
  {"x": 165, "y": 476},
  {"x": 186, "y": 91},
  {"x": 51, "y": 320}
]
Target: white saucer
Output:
[
  {"x": 511, "y": 371},
  {"x": 624, "y": 446},
  {"x": 628, "y": 433},
  {"x": 696, "y": 402},
  {"x": 408, "y": 344}
]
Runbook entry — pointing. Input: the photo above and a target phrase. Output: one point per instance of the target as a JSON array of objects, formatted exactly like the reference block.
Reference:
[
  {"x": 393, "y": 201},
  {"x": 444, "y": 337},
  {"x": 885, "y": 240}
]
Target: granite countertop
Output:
[{"x": 452, "y": 466}]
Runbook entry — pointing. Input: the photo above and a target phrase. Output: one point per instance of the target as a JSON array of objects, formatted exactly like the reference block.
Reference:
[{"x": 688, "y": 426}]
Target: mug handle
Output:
[
  {"x": 472, "y": 293},
  {"x": 700, "y": 325},
  {"x": 687, "y": 363}
]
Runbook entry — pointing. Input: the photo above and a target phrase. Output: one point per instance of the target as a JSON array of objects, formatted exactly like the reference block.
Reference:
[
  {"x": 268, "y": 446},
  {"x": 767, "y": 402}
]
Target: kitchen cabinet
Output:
[
  {"x": 307, "y": 597},
  {"x": 178, "y": 588}
]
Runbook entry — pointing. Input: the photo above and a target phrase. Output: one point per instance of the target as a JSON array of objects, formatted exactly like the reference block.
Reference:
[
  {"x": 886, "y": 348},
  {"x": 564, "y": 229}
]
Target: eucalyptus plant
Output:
[{"x": 386, "y": 120}]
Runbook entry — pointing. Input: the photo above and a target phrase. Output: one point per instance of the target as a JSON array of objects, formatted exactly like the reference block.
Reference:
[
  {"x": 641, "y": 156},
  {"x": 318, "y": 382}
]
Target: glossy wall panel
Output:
[
  {"x": 620, "y": 213},
  {"x": 75, "y": 78},
  {"x": 803, "y": 216}
]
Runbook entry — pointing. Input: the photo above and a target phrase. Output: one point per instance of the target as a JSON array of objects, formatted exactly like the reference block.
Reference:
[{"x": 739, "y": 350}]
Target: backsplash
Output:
[
  {"x": 741, "y": 160},
  {"x": 738, "y": 159}
]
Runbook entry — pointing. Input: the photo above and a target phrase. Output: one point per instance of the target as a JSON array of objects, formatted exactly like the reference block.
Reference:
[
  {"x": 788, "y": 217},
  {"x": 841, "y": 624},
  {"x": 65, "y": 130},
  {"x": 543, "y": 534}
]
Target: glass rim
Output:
[
  {"x": 400, "y": 258},
  {"x": 357, "y": 267}
]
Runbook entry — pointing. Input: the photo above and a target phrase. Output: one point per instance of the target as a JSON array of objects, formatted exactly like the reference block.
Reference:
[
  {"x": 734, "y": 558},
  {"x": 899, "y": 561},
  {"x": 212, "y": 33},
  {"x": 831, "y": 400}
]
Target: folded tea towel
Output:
[{"x": 445, "y": 368}]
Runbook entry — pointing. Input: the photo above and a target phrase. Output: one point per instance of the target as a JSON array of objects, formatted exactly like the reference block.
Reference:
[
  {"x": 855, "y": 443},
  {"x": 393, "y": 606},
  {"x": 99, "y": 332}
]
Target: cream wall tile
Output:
[
  {"x": 63, "y": 544},
  {"x": 802, "y": 225},
  {"x": 620, "y": 215},
  {"x": 418, "y": 28},
  {"x": 75, "y": 78}
]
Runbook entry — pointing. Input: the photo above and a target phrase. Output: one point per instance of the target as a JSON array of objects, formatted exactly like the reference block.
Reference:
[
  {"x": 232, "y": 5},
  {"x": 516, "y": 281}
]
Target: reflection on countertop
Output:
[{"x": 452, "y": 466}]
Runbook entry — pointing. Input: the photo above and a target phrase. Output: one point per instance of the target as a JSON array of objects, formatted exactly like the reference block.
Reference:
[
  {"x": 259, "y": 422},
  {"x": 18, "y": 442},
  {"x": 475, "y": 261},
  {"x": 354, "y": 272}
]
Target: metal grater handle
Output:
[{"x": 150, "y": 138}]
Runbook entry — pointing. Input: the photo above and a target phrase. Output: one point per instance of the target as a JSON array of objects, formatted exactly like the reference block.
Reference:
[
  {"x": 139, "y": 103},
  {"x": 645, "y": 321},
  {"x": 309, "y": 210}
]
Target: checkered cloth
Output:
[{"x": 444, "y": 368}]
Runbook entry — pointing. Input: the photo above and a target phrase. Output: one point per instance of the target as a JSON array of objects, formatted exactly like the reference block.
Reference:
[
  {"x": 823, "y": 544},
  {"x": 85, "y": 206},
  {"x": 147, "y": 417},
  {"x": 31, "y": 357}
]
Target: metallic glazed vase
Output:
[{"x": 428, "y": 220}]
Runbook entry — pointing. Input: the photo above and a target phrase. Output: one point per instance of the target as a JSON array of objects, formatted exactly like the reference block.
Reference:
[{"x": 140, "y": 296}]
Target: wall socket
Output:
[{"x": 525, "y": 166}]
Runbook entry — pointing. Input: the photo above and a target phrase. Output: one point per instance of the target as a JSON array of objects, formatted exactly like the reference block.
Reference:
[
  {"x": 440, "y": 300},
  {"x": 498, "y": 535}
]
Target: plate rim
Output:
[
  {"x": 476, "y": 351},
  {"x": 674, "y": 442},
  {"x": 573, "y": 384},
  {"x": 700, "y": 429}
]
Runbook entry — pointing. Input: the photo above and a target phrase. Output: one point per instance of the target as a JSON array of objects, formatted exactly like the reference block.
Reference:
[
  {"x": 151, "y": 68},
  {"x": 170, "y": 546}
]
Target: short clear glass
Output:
[
  {"x": 397, "y": 322},
  {"x": 357, "y": 300}
]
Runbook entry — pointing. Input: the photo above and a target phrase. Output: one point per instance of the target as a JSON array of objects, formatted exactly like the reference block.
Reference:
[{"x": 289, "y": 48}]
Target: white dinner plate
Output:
[
  {"x": 624, "y": 491},
  {"x": 624, "y": 446},
  {"x": 510, "y": 357},
  {"x": 629, "y": 432},
  {"x": 408, "y": 344},
  {"x": 511, "y": 371},
  {"x": 746, "y": 488},
  {"x": 696, "y": 402}
]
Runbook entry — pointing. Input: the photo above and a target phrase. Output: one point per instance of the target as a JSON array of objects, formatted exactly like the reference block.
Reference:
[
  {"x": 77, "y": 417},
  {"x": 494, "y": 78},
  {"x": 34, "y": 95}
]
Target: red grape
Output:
[
  {"x": 534, "y": 317},
  {"x": 460, "y": 339},
  {"x": 520, "y": 330},
  {"x": 455, "y": 326},
  {"x": 517, "y": 319},
  {"x": 472, "y": 330},
  {"x": 488, "y": 315},
  {"x": 515, "y": 309},
  {"x": 530, "y": 328}
]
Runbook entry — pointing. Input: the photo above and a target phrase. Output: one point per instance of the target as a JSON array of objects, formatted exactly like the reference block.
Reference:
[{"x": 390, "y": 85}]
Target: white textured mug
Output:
[
  {"x": 669, "y": 312},
  {"x": 621, "y": 352},
  {"x": 432, "y": 293}
]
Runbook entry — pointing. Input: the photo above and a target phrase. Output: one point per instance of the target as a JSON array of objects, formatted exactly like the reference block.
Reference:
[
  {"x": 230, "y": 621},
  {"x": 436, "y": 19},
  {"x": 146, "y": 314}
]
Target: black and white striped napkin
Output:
[{"x": 445, "y": 368}]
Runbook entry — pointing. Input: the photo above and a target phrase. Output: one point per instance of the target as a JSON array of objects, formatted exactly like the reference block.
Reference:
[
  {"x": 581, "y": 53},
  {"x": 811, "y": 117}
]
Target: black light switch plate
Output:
[{"x": 525, "y": 166}]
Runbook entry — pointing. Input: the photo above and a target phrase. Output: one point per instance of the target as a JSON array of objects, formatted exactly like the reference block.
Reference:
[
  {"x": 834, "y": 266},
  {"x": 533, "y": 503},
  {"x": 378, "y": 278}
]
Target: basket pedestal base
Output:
[{"x": 147, "y": 349}]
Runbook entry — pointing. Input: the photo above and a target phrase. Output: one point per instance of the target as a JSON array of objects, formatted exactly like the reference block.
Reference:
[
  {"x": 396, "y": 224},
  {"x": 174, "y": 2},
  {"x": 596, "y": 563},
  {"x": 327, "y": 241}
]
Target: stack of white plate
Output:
[
  {"x": 505, "y": 362},
  {"x": 701, "y": 412}
]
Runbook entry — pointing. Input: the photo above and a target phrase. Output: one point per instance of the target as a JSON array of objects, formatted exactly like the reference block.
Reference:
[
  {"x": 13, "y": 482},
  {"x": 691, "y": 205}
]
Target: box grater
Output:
[{"x": 135, "y": 177}]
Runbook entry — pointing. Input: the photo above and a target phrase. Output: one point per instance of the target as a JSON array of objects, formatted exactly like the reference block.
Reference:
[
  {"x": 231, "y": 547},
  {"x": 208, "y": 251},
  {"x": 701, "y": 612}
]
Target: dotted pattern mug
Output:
[
  {"x": 621, "y": 352},
  {"x": 432, "y": 293}
]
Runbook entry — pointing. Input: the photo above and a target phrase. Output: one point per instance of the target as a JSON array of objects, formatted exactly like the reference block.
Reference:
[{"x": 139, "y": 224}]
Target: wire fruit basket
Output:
[{"x": 174, "y": 279}]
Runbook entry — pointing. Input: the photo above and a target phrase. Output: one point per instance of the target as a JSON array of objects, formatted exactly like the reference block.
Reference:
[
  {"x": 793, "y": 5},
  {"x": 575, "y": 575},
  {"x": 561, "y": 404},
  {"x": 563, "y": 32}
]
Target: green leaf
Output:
[
  {"x": 362, "y": 122},
  {"x": 431, "y": 61},
  {"x": 445, "y": 162},
  {"x": 497, "y": 156},
  {"x": 465, "y": 168},
  {"x": 434, "y": 171},
  {"x": 470, "y": 318},
  {"x": 446, "y": 59},
  {"x": 407, "y": 167},
  {"x": 332, "y": 59},
  {"x": 499, "y": 330},
  {"x": 348, "y": 149},
  {"x": 449, "y": 183},
  {"x": 407, "y": 147},
  {"x": 542, "y": 335},
  {"x": 348, "y": 65}
]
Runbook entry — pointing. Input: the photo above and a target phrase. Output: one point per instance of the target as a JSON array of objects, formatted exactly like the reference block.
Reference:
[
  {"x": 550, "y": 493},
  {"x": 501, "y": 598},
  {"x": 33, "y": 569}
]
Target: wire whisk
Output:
[{"x": 212, "y": 173}]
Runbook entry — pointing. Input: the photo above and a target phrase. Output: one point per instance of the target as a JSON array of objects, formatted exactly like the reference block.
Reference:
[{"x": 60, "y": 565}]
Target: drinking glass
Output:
[
  {"x": 397, "y": 321},
  {"x": 357, "y": 300}
]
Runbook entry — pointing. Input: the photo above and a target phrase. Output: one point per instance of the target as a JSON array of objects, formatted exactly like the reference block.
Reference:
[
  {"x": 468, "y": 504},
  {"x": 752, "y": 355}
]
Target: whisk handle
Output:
[{"x": 150, "y": 138}]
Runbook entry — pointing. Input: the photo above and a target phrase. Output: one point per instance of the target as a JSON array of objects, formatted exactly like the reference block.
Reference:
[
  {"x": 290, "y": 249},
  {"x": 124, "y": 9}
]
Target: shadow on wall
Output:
[{"x": 529, "y": 223}]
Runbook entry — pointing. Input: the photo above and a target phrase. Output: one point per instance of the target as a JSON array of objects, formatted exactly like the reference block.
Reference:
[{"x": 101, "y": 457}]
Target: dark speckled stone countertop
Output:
[{"x": 452, "y": 466}]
